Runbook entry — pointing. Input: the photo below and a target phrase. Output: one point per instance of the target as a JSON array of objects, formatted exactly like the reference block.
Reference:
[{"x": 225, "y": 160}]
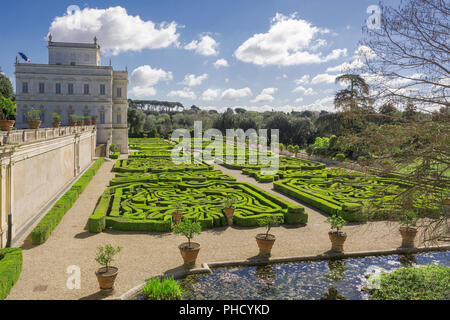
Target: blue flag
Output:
[{"x": 24, "y": 57}]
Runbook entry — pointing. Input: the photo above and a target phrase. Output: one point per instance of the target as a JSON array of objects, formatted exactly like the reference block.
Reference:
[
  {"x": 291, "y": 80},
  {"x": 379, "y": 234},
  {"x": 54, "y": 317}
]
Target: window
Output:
[
  {"x": 41, "y": 87},
  {"x": 119, "y": 118},
  {"x": 24, "y": 87},
  {"x": 70, "y": 88},
  {"x": 102, "y": 89},
  {"x": 58, "y": 88},
  {"x": 102, "y": 117},
  {"x": 86, "y": 89},
  {"x": 119, "y": 92}
]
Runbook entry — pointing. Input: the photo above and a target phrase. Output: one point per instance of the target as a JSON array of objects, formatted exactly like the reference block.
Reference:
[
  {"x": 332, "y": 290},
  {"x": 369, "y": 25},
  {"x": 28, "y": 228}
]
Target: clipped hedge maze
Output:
[
  {"x": 156, "y": 165},
  {"x": 148, "y": 206},
  {"x": 345, "y": 193}
]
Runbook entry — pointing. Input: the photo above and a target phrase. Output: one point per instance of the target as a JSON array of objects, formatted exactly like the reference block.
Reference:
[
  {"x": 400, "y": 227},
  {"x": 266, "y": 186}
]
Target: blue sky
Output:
[{"x": 280, "y": 55}]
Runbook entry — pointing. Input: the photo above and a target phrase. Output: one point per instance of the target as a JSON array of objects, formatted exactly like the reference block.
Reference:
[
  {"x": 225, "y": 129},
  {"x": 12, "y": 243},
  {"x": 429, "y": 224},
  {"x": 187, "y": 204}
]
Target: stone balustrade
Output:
[{"x": 30, "y": 135}]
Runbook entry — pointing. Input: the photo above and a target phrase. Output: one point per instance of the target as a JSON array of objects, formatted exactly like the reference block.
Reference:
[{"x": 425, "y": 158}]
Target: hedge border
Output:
[
  {"x": 10, "y": 269},
  {"x": 42, "y": 231}
]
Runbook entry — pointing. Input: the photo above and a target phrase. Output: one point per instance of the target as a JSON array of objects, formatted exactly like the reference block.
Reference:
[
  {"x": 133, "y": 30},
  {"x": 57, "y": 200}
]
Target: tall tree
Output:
[{"x": 6, "y": 89}]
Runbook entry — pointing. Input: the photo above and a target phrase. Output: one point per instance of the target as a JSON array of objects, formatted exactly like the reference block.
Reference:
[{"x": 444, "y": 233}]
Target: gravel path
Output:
[{"x": 146, "y": 254}]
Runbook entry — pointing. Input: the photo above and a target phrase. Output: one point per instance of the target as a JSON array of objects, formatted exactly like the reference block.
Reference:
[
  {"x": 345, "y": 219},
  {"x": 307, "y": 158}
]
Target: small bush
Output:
[
  {"x": 340, "y": 157},
  {"x": 10, "y": 269}
]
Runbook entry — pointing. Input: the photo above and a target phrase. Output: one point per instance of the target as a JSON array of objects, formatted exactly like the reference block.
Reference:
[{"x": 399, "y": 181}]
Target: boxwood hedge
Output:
[{"x": 10, "y": 269}]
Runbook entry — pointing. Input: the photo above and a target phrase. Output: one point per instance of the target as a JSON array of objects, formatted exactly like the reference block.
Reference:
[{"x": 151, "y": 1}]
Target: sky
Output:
[{"x": 259, "y": 55}]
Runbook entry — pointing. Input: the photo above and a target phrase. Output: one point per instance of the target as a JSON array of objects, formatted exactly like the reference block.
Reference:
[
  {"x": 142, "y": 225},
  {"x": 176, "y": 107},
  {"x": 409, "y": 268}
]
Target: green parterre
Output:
[
  {"x": 148, "y": 206},
  {"x": 344, "y": 193},
  {"x": 146, "y": 190}
]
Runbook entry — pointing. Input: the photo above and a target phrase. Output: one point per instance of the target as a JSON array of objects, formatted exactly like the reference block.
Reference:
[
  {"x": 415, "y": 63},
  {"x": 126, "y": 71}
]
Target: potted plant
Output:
[
  {"x": 337, "y": 237},
  {"x": 94, "y": 119},
  {"x": 408, "y": 229},
  {"x": 106, "y": 275},
  {"x": 7, "y": 112},
  {"x": 73, "y": 120},
  {"x": 33, "y": 117},
  {"x": 340, "y": 157},
  {"x": 87, "y": 120},
  {"x": 281, "y": 147},
  {"x": 189, "y": 250},
  {"x": 296, "y": 149},
  {"x": 290, "y": 148},
  {"x": 113, "y": 148},
  {"x": 177, "y": 215},
  {"x": 56, "y": 117},
  {"x": 79, "y": 121},
  {"x": 266, "y": 240},
  {"x": 228, "y": 209},
  {"x": 309, "y": 150}
]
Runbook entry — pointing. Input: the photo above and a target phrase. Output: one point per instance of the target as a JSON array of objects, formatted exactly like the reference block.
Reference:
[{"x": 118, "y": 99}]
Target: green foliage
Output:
[
  {"x": 187, "y": 228},
  {"x": 7, "y": 109},
  {"x": 10, "y": 269},
  {"x": 52, "y": 218},
  {"x": 309, "y": 149},
  {"x": 6, "y": 89},
  {"x": 165, "y": 288},
  {"x": 422, "y": 283},
  {"x": 340, "y": 157},
  {"x": 321, "y": 143},
  {"x": 336, "y": 222},
  {"x": 362, "y": 159},
  {"x": 115, "y": 155},
  {"x": 56, "y": 117},
  {"x": 408, "y": 218},
  {"x": 113, "y": 148},
  {"x": 270, "y": 221},
  {"x": 229, "y": 202},
  {"x": 33, "y": 114},
  {"x": 105, "y": 255}
]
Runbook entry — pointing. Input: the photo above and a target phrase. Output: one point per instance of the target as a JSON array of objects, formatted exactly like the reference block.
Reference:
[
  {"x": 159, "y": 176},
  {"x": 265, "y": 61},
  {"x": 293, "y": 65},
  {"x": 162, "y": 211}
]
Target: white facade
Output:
[{"x": 74, "y": 82}]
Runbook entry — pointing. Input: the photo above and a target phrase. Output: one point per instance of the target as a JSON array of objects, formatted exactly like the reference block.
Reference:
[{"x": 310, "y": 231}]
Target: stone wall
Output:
[{"x": 33, "y": 174}]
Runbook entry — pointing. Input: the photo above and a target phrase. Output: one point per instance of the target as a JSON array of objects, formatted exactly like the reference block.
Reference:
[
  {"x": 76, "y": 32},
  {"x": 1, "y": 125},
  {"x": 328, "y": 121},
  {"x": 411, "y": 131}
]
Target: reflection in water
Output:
[
  {"x": 305, "y": 280},
  {"x": 266, "y": 277},
  {"x": 337, "y": 270},
  {"x": 407, "y": 260}
]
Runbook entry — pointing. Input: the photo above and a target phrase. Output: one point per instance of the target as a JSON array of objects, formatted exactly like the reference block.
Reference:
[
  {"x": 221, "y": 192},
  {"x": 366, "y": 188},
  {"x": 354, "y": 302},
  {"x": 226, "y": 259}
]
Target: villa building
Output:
[{"x": 74, "y": 82}]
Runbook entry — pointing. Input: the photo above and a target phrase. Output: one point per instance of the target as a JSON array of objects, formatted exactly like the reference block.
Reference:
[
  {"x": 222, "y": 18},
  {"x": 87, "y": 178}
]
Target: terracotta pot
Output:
[
  {"x": 56, "y": 124},
  {"x": 94, "y": 122},
  {"x": 34, "y": 124},
  {"x": 177, "y": 215},
  {"x": 87, "y": 123},
  {"x": 7, "y": 125},
  {"x": 229, "y": 213},
  {"x": 408, "y": 236},
  {"x": 73, "y": 123},
  {"x": 189, "y": 253},
  {"x": 337, "y": 240},
  {"x": 79, "y": 123},
  {"x": 308, "y": 154},
  {"x": 106, "y": 279},
  {"x": 446, "y": 202},
  {"x": 265, "y": 244}
]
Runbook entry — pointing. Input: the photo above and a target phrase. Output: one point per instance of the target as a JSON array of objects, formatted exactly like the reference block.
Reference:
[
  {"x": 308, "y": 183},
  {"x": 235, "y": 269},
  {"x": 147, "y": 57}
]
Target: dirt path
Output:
[{"x": 146, "y": 254}]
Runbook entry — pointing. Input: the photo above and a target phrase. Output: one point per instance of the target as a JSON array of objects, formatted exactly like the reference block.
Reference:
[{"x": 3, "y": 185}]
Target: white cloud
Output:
[
  {"x": 210, "y": 94},
  {"x": 221, "y": 63},
  {"x": 299, "y": 100},
  {"x": 289, "y": 41},
  {"x": 360, "y": 56},
  {"x": 323, "y": 78},
  {"x": 266, "y": 95},
  {"x": 303, "y": 80},
  {"x": 143, "y": 92},
  {"x": 305, "y": 91},
  {"x": 145, "y": 76},
  {"x": 235, "y": 94},
  {"x": 207, "y": 46},
  {"x": 115, "y": 29},
  {"x": 186, "y": 93},
  {"x": 191, "y": 80}
]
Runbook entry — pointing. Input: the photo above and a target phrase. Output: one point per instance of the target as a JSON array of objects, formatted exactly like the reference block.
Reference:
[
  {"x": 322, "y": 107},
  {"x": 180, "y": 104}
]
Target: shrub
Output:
[
  {"x": 105, "y": 255},
  {"x": 7, "y": 109},
  {"x": 113, "y": 148},
  {"x": 336, "y": 222},
  {"x": 56, "y": 117},
  {"x": 340, "y": 157},
  {"x": 10, "y": 269},
  {"x": 187, "y": 228},
  {"x": 362, "y": 160},
  {"x": 162, "y": 289},
  {"x": 309, "y": 149},
  {"x": 270, "y": 221},
  {"x": 422, "y": 283},
  {"x": 115, "y": 155},
  {"x": 45, "y": 227}
]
